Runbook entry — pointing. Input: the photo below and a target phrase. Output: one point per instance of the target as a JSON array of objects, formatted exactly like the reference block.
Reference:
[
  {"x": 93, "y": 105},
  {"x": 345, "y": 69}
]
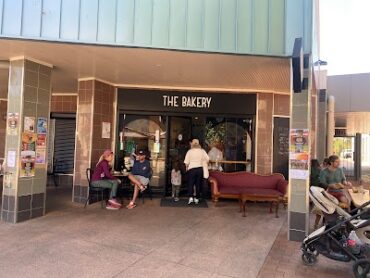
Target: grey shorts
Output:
[{"x": 142, "y": 180}]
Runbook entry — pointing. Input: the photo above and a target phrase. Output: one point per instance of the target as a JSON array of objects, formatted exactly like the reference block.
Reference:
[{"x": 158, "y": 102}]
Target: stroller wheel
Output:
[
  {"x": 361, "y": 268},
  {"x": 309, "y": 258}
]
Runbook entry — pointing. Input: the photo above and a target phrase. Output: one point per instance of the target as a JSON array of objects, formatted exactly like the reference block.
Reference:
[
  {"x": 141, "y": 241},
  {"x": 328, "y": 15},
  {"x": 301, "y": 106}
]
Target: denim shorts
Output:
[{"x": 142, "y": 180}]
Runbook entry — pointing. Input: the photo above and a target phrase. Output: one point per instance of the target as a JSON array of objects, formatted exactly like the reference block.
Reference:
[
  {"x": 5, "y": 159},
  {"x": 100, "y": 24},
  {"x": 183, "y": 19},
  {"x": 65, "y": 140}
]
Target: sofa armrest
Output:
[
  {"x": 282, "y": 186},
  {"x": 214, "y": 186}
]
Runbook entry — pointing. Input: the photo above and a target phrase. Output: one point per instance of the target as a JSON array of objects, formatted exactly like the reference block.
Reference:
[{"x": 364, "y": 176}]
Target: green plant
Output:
[{"x": 214, "y": 134}]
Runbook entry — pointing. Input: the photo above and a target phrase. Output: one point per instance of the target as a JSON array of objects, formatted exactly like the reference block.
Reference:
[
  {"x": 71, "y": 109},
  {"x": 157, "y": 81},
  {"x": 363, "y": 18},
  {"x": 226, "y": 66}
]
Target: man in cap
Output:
[{"x": 140, "y": 175}]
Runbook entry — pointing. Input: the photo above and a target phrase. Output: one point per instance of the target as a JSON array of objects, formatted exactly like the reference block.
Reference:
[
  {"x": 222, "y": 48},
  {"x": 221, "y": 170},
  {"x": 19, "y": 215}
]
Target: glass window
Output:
[{"x": 148, "y": 133}]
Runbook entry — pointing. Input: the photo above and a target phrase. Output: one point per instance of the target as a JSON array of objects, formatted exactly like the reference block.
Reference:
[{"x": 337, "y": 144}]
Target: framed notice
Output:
[
  {"x": 29, "y": 141},
  {"x": 105, "y": 130},
  {"x": 299, "y": 156},
  {"x": 29, "y": 124},
  {"x": 41, "y": 141},
  {"x": 42, "y": 125},
  {"x": 12, "y": 120},
  {"x": 27, "y": 164},
  {"x": 40, "y": 156}
]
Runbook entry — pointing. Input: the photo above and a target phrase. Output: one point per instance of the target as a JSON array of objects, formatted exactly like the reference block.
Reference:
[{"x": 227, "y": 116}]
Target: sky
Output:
[{"x": 345, "y": 36}]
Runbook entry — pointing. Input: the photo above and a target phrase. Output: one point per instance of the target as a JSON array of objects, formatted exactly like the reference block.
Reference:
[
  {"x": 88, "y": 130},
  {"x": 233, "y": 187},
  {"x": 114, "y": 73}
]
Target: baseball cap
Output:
[{"x": 141, "y": 152}]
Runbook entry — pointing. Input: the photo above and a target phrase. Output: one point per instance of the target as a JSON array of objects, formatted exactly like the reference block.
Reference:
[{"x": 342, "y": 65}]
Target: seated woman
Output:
[
  {"x": 103, "y": 178},
  {"x": 334, "y": 179},
  {"x": 140, "y": 175},
  {"x": 315, "y": 181}
]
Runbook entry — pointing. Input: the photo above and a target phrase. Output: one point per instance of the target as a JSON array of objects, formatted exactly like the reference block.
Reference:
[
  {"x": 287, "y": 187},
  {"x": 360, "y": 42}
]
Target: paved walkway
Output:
[{"x": 149, "y": 241}]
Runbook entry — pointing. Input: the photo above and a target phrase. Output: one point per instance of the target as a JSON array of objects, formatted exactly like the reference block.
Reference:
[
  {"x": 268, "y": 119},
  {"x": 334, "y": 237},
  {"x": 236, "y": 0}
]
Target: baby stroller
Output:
[{"x": 345, "y": 236}]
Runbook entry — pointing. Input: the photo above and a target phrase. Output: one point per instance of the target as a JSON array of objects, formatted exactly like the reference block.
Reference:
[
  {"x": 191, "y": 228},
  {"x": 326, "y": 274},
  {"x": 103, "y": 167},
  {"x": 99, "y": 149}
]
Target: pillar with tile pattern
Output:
[
  {"x": 28, "y": 96},
  {"x": 95, "y": 105}
]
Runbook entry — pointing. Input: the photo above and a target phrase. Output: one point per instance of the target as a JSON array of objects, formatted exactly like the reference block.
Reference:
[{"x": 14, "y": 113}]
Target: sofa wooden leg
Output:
[
  {"x": 277, "y": 209},
  {"x": 271, "y": 203},
  {"x": 240, "y": 205},
  {"x": 244, "y": 207}
]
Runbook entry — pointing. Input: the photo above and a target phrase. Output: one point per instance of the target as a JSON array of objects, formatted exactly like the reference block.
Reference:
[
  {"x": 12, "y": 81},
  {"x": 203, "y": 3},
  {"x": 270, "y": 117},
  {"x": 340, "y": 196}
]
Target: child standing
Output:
[{"x": 176, "y": 181}]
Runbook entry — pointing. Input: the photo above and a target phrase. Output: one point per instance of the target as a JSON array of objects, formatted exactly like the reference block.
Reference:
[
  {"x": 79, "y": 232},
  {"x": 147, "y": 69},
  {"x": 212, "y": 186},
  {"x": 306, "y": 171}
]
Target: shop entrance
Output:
[{"x": 228, "y": 140}]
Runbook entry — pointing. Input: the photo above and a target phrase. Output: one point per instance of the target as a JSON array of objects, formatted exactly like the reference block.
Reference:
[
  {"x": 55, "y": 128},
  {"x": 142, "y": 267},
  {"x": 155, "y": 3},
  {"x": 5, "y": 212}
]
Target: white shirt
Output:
[
  {"x": 175, "y": 177},
  {"x": 195, "y": 158}
]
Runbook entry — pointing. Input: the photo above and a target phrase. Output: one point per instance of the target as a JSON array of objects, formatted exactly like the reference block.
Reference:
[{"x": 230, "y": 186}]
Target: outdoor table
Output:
[{"x": 359, "y": 198}]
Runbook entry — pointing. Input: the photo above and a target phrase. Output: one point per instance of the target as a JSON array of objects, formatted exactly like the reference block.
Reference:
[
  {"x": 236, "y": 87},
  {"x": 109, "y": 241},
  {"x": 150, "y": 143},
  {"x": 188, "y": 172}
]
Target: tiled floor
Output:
[
  {"x": 153, "y": 241},
  {"x": 149, "y": 241},
  {"x": 284, "y": 260}
]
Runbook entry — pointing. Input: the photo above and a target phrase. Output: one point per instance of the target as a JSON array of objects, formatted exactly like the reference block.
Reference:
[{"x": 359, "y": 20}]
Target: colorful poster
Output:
[
  {"x": 13, "y": 123},
  {"x": 41, "y": 141},
  {"x": 42, "y": 125},
  {"x": 29, "y": 124},
  {"x": 105, "y": 130},
  {"x": 27, "y": 164},
  {"x": 40, "y": 156},
  {"x": 29, "y": 141},
  {"x": 11, "y": 159},
  {"x": 299, "y": 156}
]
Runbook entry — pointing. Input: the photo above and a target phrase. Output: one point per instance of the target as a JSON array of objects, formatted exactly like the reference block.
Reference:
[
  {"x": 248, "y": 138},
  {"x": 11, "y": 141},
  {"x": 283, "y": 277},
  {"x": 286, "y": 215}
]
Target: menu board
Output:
[{"x": 281, "y": 146}]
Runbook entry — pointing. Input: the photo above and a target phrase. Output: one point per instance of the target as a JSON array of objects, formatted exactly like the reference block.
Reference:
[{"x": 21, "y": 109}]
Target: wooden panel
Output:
[
  {"x": 261, "y": 26},
  {"x": 125, "y": 21},
  {"x": 143, "y": 22},
  {"x": 89, "y": 20},
  {"x": 177, "y": 23},
  {"x": 211, "y": 24},
  {"x": 245, "y": 25},
  {"x": 228, "y": 30},
  {"x": 107, "y": 21},
  {"x": 50, "y": 19},
  {"x": 194, "y": 30},
  {"x": 161, "y": 19}
]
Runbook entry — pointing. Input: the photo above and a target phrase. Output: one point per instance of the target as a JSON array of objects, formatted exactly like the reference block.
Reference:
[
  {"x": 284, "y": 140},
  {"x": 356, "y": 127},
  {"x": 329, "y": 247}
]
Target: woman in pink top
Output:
[{"x": 104, "y": 179}]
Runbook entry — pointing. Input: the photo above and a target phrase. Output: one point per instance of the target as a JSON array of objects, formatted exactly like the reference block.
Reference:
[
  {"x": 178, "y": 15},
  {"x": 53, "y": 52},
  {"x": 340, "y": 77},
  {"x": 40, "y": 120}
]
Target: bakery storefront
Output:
[{"x": 163, "y": 122}]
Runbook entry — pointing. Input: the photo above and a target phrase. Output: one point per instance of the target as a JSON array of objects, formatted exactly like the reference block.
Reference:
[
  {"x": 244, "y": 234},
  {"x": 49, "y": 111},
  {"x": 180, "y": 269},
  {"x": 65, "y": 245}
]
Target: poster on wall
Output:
[
  {"x": 299, "y": 154},
  {"x": 11, "y": 159},
  {"x": 42, "y": 125},
  {"x": 41, "y": 141},
  {"x": 29, "y": 141},
  {"x": 40, "y": 156},
  {"x": 29, "y": 124},
  {"x": 27, "y": 164},
  {"x": 13, "y": 123},
  {"x": 105, "y": 130}
]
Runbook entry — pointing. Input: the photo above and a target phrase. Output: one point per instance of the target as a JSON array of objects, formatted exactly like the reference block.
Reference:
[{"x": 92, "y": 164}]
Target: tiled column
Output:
[
  {"x": 264, "y": 133},
  {"x": 95, "y": 106},
  {"x": 298, "y": 207},
  {"x": 321, "y": 116},
  {"x": 29, "y": 96}
]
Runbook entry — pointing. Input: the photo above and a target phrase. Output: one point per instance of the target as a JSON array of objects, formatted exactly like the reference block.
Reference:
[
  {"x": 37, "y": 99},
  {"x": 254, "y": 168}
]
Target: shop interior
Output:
[{"x": 166, "y": 141}]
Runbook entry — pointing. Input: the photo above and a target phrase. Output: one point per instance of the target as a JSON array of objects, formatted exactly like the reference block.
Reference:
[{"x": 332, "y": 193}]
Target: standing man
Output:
[{"x": 139, "y": 176}]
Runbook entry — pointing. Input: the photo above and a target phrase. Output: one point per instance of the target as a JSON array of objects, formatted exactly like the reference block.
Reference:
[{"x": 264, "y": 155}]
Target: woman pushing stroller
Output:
[{"x": 334, "y": 179}]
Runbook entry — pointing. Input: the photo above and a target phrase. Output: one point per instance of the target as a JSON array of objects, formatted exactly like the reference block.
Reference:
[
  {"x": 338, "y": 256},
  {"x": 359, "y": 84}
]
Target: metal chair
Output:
[{"x": 98, "y": 191}]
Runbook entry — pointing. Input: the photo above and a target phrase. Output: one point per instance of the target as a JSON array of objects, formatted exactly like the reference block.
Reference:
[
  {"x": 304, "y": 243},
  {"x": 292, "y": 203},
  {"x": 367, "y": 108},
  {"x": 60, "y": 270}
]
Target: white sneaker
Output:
[
  {"x": 196, "y": 201},
  {"x": 190, "y": 200}
]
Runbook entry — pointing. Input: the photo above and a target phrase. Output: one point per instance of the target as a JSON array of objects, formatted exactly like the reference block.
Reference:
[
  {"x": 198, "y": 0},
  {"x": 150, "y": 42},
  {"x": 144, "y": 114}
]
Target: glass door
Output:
[{"x": 148, "y": 133}]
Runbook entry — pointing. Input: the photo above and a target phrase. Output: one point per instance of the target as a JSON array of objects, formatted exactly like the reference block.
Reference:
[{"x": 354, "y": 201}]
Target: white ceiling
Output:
[{"x": 140, "y": 67}]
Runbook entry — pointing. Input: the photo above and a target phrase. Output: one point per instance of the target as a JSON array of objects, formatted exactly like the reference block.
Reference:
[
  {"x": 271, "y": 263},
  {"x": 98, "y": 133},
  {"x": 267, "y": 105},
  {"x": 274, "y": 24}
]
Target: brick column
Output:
[
  {"x": 298, "y": 207},
  {"x": 95, "y": 105},
  {"x": 28, "y": 102},
  {"x": 264, "y": 133}
]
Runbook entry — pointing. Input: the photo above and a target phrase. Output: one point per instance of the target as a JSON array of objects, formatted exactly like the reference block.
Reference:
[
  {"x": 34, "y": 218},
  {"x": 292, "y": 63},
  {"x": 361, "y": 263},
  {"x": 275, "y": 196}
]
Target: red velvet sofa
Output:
[{"x": 247, "y": 186}]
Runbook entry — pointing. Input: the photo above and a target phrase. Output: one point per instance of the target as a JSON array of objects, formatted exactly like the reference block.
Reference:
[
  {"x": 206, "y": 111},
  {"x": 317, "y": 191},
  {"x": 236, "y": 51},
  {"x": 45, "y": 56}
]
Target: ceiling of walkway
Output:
[{"x": 140, "y": 67}]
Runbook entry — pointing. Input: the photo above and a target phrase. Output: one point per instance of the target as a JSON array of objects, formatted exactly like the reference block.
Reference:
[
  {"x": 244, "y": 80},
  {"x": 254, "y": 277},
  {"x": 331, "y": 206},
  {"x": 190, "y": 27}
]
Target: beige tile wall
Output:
[
  {"x": 3, "y": 111},
  {"x": 64, "y": 104},
  {"x": 281, "y": 105},
  {"x": 95, "y": 105},
  {"x": 264, "y": 133}
]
